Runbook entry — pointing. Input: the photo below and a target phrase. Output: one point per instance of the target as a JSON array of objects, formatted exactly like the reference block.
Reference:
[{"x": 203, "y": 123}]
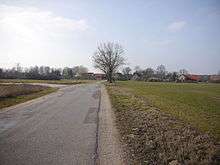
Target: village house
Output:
[
  {"x": 100, "y": 76},
  {"x": 214, "y": 78},
  {"x": 88, "y": 76},
  {"x": 189, "y": 78}
]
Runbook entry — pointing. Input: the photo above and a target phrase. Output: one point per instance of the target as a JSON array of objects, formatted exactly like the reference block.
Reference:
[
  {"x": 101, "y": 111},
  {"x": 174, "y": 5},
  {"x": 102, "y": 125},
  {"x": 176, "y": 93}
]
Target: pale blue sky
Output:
[{"x": 176, "y": 33}]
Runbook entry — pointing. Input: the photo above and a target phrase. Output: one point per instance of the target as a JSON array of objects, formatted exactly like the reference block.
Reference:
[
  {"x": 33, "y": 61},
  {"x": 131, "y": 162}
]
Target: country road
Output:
[{"x": 60, "y": 128}]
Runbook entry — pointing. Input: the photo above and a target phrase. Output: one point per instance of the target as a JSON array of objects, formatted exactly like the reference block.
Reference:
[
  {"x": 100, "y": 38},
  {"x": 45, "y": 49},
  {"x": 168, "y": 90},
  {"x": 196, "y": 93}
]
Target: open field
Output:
[
  {"x": 198, "y": 104},
  {"x": 165, "y": 122},
  {"x": 64, "y": 81},
  {"x": 11, "y": 94}
]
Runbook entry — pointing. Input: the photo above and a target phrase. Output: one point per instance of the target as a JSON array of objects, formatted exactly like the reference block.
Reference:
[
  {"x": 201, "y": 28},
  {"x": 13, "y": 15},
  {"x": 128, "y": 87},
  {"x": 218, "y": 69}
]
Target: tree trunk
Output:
[{"x": 109, "y": 77}]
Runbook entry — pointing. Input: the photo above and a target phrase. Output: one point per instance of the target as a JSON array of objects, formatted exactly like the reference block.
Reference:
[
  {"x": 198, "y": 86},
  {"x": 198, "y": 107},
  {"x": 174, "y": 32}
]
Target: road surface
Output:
[{"x": 60, "y": 128}]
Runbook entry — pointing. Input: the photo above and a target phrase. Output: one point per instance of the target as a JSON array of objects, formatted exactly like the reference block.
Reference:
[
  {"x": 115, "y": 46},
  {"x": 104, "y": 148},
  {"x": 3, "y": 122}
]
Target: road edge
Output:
[{"x": 109, "y": 148}]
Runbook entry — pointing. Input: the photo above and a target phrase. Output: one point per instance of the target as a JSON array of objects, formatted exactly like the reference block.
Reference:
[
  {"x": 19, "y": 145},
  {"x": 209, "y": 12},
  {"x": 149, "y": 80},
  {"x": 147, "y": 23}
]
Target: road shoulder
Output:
[{"x": 109, "y": 147}]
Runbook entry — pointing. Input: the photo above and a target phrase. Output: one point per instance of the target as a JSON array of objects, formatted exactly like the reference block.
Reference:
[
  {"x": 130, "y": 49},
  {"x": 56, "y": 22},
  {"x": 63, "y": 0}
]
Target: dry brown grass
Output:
[
  {"x": 63, "y": 81},
  {"x": 11, "y": 94},
  {"x": 12, "y": 90}
]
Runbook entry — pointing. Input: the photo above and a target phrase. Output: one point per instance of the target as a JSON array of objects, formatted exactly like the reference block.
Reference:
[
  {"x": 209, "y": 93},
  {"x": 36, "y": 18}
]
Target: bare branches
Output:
[{"x": 108, "y": 58}]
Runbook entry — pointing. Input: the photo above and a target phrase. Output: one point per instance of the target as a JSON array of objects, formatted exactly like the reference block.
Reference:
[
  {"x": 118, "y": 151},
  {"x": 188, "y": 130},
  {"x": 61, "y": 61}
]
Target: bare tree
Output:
[
  {"x": 183, "y": 71},
  {"x": 79, "y": 70},
  {"x": 161, "y": 71},
  {"x": 127, "y": 73},
  {"x": 147, "y": 73},
  {"x": 108, "y": 58}
]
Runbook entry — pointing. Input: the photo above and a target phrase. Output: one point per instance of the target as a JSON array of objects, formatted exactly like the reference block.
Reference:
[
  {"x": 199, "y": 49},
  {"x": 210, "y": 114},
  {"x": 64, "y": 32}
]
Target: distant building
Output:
[
  {"x": 189, "y": 78},
  {"x": 181, "y": 78},
  {"x": 214, "y": 78},
  {"x": 205, "y": 78},
  {"x": 100, "y": 76},
  {"x": 136, "y": 76},
  {"x": 89, "y": 76}
]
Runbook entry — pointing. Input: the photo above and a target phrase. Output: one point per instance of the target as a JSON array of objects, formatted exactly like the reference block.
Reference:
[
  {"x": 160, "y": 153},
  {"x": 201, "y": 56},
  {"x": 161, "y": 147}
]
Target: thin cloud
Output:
[
  {"x": 34, "y": 36},
  {"x": 29, "y": 23},
  {"x": 177, "y": 26}
]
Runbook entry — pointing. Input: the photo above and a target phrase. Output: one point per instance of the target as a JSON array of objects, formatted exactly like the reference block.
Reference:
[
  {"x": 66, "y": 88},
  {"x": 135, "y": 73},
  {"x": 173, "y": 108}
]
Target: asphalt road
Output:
[{"x": 57, "y": 129}]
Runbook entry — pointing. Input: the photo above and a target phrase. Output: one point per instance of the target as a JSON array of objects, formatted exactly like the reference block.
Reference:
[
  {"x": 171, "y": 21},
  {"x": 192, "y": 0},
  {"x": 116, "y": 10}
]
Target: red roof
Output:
[{"x": 193, "y": 77}]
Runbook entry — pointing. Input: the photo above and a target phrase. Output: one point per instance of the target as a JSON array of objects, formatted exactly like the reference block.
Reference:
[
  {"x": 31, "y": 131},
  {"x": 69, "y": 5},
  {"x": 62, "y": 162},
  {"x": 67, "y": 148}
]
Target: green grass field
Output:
[
  {"x": 63, "y": 81},
  {"x": 194, "y": 103}
]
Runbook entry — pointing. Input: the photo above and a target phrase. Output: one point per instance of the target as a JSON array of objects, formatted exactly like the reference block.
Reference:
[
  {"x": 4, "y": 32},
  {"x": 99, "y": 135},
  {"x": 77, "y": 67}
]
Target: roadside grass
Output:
[
  {"x": 63, "y": 81},
  {"x": 13, "y": 94},
  {"x": 168, "y": 122},
  {"x": 197, "y": 104}
]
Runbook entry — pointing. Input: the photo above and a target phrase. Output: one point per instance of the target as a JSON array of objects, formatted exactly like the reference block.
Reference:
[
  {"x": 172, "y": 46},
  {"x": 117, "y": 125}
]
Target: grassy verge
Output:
[
  {"x": 197, "y": 104},
  {"x": 15, "y": 94},
  {"x": 163, "y": 122},
  {"x": 63, "y": 82}
]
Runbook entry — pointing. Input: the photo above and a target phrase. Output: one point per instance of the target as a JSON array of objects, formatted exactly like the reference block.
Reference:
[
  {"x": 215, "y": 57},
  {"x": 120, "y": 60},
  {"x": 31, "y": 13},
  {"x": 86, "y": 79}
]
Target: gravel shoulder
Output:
[{"x": 109, "y": 147}]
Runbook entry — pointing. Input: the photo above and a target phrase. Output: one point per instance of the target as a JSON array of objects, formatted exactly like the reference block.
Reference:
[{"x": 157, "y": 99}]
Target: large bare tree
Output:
[{"x": 108, "y": 58}]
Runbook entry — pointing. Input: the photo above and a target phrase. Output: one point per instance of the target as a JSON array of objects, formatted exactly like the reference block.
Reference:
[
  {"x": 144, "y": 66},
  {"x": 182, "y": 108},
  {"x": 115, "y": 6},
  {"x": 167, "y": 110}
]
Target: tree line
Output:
[
  {"x": 43, "y": 73},
  {"x": 109, "y": 58},
  {"x": 150, "y": 74}
]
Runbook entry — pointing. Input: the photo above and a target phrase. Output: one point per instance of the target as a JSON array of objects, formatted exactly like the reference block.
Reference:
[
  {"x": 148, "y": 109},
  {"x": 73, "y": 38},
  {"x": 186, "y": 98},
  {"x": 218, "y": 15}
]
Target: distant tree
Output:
[
  {"x": 41, "y": 70},
  {"x": 147, "y": 73},
  {"x": 65, "y": 73},
  {"x": 71, "y": 73},
  {"x": 68, "y": 73},
  {"x": 108, "y": 58},
  {"x": 161, "y": 71},
  {"x": 79, "y": 70},
  {"x": 18, "y": 68},
  {"x": 218, "y": 72},
  {"x": 47, "y": 70},
  {"x": 126, "y": 70},
  {"x": 172, "y": 76},
  {"x": 175, "y": 76},
  {"x": 55, "y": 74},
  {"x": 183, "y": 71},
  {"x": 127, "y": 73},
  {"x": 33, "y": 73},
  {"x": 119, "y": 76}
]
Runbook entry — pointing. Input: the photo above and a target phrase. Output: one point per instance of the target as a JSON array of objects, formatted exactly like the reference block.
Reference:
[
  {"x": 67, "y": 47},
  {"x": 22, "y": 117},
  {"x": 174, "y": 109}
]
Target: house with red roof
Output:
[{"x": 189, "y": 78}]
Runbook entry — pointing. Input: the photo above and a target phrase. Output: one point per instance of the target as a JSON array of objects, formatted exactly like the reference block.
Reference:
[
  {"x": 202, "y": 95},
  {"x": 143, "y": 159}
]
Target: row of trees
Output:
[
  {"x": 150, "y": 74},
  {"x": 43, "y": 73},
  {"x": 109, "y": 57}
]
